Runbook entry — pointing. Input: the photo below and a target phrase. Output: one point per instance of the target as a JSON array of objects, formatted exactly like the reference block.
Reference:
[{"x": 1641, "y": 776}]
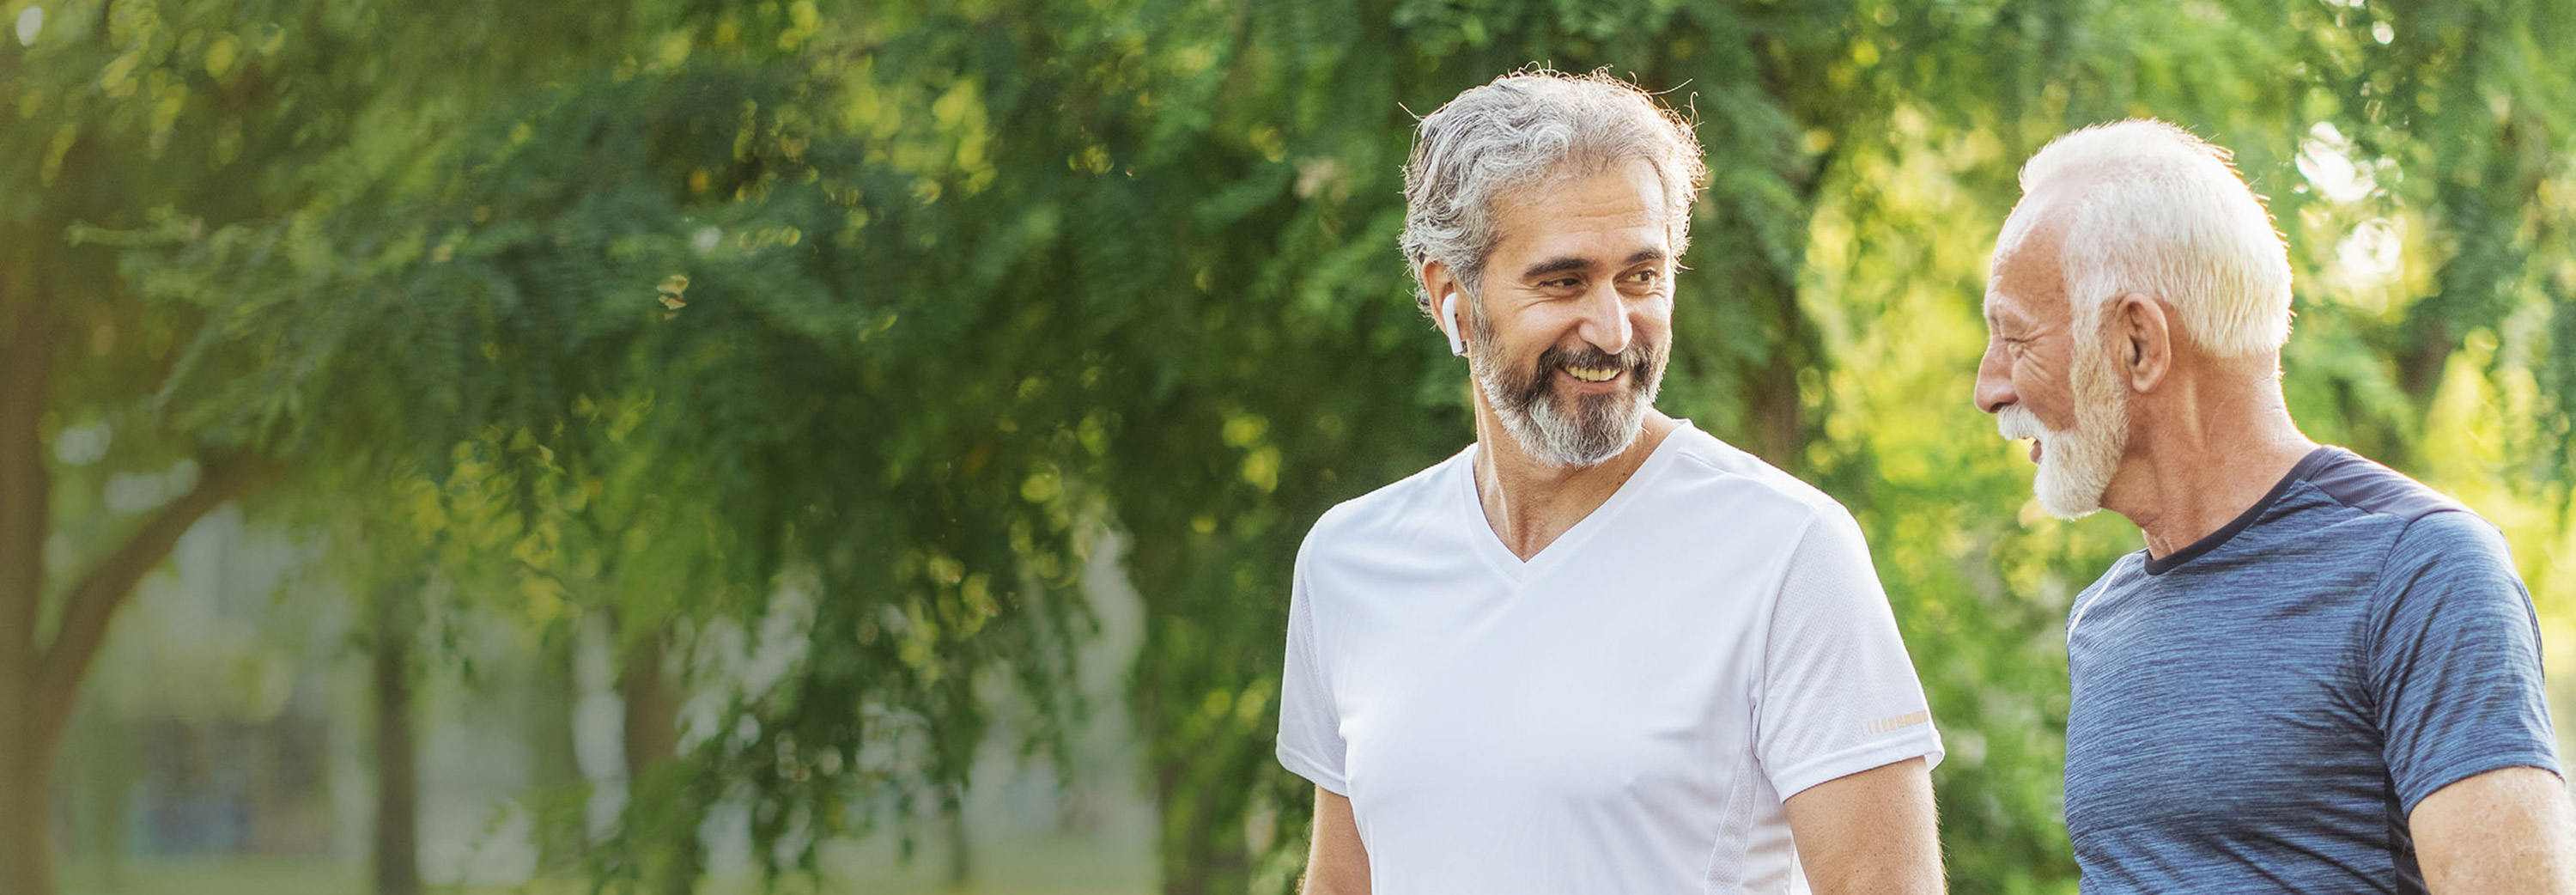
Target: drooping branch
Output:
[{"x": 94, "y": 599}]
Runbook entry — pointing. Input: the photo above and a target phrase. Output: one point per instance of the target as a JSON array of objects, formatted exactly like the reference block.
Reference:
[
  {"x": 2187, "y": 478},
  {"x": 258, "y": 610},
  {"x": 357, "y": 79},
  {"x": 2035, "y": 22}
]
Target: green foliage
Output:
[{"x": 868, "y": 317}]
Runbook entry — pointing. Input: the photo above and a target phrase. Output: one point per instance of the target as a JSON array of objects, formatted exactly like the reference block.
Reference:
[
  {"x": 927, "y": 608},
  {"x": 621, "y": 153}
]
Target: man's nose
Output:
[
  {"x": 1605, "y": 319},
  {"x": 1994, "y": 382}
]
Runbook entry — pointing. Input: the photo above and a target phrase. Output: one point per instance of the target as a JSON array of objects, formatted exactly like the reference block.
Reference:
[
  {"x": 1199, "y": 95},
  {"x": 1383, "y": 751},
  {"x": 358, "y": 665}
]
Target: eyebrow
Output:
[
  {"x": 1563, "y": 263},
  {"x": 1559, "y": 264},
  {"x": 1998, "y": 320}
]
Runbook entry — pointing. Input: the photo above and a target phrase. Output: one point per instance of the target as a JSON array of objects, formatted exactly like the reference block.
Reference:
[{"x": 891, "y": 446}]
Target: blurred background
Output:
[{"x": 692, "y": 445}]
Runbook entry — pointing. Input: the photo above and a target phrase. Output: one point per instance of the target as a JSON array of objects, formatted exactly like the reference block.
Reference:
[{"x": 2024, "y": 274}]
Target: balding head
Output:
[{"x": 2144, "y": 207}]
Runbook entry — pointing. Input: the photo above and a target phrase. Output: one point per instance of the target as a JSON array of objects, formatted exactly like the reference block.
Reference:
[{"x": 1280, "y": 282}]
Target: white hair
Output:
[
  {"x": 2150, "y": 208},
  {"x": 1527, "y": 128}
]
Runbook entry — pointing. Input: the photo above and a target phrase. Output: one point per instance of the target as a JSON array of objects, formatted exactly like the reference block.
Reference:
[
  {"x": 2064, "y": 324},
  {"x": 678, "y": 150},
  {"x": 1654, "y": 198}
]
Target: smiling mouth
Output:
[
  {"x": 2034, "y": 450},
  {"x": 1592, "y": 374}
]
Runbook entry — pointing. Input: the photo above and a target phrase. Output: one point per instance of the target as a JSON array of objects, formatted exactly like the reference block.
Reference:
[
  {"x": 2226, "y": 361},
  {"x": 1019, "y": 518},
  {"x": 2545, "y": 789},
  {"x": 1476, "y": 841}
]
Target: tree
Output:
[
  {"x": 639, "y": 238},
  {"x": 80, "y": 155},
  {"x": 132, "y": 116},
  {"x": 896, "y": 297},
  {"x": 1247, "y": 150}
]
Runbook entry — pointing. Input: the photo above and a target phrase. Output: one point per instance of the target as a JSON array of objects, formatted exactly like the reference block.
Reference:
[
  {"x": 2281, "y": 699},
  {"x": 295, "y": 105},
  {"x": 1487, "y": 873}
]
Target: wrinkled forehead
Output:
[
  {"x": 2026, "y": 270},
  {"x": 1624, "y": 192},
  {"x": 1635, "y": 171},
  {"x": 2017, "y": 230}
]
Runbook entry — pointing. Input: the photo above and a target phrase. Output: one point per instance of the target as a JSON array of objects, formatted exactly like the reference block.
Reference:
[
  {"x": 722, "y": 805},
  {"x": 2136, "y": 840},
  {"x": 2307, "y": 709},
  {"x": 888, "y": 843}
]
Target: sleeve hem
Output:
[
  {"x": 1924, "y": 743},
  {"x": 1314, "y": 771},
  {"x": 2464, "y": 770}
]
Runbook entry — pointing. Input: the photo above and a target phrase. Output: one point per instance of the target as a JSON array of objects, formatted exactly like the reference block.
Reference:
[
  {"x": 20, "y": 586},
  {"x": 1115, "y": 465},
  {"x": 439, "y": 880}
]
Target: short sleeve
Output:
[
  {"x": 1838, "y": 694},
  {"x": 2455, "y": 663},
  {"x": 1310, "y": 727}
]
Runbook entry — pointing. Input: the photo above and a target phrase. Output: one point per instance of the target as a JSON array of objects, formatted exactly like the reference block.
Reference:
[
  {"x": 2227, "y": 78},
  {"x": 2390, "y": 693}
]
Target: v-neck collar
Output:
[{"x": 1490, "y": 545}]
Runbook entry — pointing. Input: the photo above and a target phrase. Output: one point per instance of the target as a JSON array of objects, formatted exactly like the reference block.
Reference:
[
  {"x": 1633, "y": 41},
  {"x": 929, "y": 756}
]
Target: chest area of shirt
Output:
[
  {"x": 1628, "y": 681},
  {"x": 2221, "y": 705}
]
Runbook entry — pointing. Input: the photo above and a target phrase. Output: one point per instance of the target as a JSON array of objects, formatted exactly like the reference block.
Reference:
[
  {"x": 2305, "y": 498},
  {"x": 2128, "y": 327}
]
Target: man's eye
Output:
[{"x": 1647, "y": 275}]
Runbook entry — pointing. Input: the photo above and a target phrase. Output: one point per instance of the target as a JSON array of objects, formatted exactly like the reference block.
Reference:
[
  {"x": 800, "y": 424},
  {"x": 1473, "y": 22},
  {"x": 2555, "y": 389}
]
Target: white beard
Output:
[
  {"x": 2076, "y": 467},
  {"x": 1598, "y": 428}
]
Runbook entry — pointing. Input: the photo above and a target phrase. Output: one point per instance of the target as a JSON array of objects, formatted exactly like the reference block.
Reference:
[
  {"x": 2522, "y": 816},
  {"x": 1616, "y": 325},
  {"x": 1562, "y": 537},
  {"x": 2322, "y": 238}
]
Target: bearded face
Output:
[
  {"x": 1570, "y": 426},
  {"x": 1571, "y": 317},
  {"x": 2076, "y": 466}
]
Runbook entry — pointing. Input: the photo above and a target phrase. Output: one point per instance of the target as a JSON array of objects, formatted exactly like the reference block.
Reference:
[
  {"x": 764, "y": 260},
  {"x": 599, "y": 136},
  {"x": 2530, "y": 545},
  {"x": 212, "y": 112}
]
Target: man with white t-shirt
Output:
[{"x": 1598, "y": 650}]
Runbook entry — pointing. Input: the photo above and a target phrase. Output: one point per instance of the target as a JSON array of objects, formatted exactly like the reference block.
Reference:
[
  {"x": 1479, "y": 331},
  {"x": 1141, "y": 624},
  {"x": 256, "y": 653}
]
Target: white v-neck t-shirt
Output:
[{"x": 1624, "y": 712}]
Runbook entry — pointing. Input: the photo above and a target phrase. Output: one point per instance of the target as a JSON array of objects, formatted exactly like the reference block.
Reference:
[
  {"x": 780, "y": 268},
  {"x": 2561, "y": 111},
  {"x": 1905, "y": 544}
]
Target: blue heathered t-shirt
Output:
[{"x": 2262, "y": 710}]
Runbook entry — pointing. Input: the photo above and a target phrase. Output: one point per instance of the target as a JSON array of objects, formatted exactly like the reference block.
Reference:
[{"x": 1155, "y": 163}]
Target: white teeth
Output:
[{"x": 1592, "y": 374}]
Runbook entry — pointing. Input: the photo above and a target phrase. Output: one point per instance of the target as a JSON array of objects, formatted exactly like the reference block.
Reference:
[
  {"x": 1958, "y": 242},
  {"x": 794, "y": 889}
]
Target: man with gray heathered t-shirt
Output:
[{"x": 2320, "y": 675}]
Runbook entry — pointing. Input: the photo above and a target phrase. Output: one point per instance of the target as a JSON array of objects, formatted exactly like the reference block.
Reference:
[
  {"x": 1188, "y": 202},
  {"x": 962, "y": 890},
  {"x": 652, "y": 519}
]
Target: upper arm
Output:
[
  {"x": 1337, "y": 862},
  {"x": 2455, "y": 667},
  {"x": 1837, "y": 692},
  {"x": 2455, "y": 674},
  {"x": 1842, "y": 729},
  {"x": 1871, "y": 832},
  {"x": 2503, "y": 832},
  {"x": 1310, "y": 720},
  {"x": 1310, "y": 744}
]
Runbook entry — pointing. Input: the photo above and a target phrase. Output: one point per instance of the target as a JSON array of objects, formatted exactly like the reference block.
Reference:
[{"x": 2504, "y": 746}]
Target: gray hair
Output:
[{"x": 1526, "y": 128}]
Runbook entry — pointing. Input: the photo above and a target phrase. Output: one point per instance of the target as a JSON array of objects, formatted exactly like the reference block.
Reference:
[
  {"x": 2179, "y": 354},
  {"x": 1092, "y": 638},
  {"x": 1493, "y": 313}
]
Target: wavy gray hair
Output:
[{"x": 1525, "y": 128}]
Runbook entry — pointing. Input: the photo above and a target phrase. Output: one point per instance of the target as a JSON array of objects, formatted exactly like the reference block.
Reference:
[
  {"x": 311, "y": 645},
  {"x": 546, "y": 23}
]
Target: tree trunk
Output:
[
  {"x": 40, "y": 676},
  {"x": 662, "y": 805},
  {"x": 652, "y": 709},
  {"x": 26, "y": 806},
  {"x": 397, "y": 852},
  {"x": 1778, "y": 407},
  {"x": 26, "y": 490},
  {"x": 961, "y": 851}
]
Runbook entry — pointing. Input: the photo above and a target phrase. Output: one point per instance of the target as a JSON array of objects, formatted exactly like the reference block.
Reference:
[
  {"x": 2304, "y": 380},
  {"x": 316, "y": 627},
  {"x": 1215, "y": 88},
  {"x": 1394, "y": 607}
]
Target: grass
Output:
[{"x": 1052, "y": 866}]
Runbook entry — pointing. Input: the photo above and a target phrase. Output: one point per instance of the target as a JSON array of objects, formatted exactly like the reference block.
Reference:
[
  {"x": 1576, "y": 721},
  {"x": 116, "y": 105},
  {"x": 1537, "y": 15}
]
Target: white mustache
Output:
[{"x": 2016, "y": 422}]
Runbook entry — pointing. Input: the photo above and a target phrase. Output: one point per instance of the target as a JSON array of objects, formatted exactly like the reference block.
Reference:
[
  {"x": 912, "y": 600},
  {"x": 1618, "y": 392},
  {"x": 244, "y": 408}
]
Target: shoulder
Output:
[
  {"x": 1401, "y": 507},
  {"x": 2447, "y": 546},
  {"x": 2449, "y": 567},
  {"x": 2361, "y": 484},
  {"x": 1754, "y": 489},
  {"x": 1812, "y": 541},
  {"x": 2427, "y": 526},
  {"x": 2457, "y": 532}
]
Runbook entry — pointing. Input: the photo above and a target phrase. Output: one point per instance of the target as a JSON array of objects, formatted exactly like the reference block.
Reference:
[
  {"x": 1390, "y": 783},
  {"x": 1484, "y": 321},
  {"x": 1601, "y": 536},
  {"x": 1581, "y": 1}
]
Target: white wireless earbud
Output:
[{"x": 1449, "y": 325}]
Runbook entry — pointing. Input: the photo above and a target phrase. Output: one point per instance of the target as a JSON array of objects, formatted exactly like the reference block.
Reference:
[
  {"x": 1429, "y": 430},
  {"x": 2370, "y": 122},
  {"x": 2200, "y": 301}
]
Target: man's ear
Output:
[
  {"x": 2144, "y": 340},
  {"x": 1440, "y": 285}
]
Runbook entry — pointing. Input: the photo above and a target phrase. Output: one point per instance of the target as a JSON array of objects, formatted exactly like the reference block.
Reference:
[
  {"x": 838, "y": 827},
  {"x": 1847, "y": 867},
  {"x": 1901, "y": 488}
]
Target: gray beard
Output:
[{"x": 1598, "y": 427}]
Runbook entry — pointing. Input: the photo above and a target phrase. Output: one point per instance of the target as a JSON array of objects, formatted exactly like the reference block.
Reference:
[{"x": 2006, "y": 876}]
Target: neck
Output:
[
  {"x": 1530, "y": 503},
  {"x": 2200, "y": 456}
]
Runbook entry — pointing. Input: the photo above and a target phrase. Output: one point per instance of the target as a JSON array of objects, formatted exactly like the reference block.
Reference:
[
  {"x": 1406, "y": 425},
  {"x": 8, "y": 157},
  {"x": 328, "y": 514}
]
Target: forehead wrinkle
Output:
[
  {"x": 2033, "y": 234},
  {"x": 1573, "y": 222}
]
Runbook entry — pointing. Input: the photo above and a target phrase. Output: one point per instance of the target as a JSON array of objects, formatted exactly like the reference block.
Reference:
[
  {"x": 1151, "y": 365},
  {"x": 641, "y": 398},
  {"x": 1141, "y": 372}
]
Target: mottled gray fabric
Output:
[{"x": 2260, "y": 711}]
